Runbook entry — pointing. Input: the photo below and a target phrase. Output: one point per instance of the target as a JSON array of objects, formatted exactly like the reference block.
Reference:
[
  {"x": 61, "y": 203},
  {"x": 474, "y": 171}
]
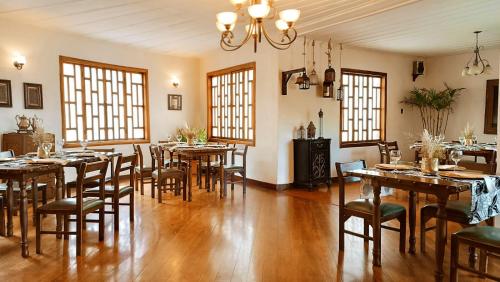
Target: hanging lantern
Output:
[
  {"x": 328, "y": 86},
  {"x": 305, "y": 82},
  {"x": 327, "y": 89},
  {"x": 313, "y": 76},
  {"x": 340, "y": 90}
]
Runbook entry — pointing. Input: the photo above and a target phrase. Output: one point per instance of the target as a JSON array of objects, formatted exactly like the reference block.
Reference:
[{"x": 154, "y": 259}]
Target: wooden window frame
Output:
[
  {"x": 383, "y": 112},
  {"x": 87, "y": 63},
  {"x": 242, "y": 67}
]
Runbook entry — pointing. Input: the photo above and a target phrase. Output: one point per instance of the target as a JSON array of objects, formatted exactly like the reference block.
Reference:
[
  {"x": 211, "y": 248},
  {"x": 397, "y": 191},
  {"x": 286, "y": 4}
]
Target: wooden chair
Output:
[
  {"x": 2, "y": 217},
  {"x": 385, "y": 148},
  {"x": 485, "y": 238},
  {"x": 230, "y": 170},
  {"x": 142, "y": 172},
  {"x": 115, "y": 192},
  {"x": 363, "y": 208},
  {"x": 111, "y": 161},
  {"x": 78, "y": 206},
  {"x": 162, "y": 174},
  {"x": 41, "y": 187}
]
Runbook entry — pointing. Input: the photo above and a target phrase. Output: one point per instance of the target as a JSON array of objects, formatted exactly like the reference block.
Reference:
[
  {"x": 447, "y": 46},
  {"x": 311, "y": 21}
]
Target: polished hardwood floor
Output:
[{"x": 266, "y": 236}]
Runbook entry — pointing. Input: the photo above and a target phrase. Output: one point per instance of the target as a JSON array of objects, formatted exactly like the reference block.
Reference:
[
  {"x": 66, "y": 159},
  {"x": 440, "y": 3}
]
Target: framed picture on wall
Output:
[
  {"x": 5, "y": 94},
  {"x": 33, "y": 96},
  {"x": 175, "y": 102}
]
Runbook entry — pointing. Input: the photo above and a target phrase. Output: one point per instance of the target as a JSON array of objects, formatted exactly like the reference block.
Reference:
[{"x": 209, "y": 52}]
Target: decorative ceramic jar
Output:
[{"x": 430, "y": 165}]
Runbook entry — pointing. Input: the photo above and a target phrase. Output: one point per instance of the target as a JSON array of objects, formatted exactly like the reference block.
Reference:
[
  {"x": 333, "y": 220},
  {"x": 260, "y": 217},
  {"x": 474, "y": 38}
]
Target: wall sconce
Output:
[
  {"x": 175, "y": 82},
  {"x": 19, "y": 61}
]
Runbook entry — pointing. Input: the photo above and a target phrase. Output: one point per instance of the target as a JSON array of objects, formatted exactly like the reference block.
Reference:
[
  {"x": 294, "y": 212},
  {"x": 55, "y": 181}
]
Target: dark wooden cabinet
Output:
[
  {"x": 311, "y": 162},
  {"x": 22, "y": 143}
]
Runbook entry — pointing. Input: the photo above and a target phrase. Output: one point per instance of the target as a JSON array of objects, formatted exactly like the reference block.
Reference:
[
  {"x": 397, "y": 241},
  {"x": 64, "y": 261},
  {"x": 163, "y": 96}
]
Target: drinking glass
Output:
[
  {"x": 84, "y": 143},
  {"x": 178, "y": 137},
  {"x": 169, "y": 138},
  {"x": 474, "y": 139},
  {"x": 456, "y": 156},
  {"x": 60, "y": 145},
  {"x": 461, "y": 139},
  {"x": 395, "y": 156},
  {"x": 46, "y": 147}
]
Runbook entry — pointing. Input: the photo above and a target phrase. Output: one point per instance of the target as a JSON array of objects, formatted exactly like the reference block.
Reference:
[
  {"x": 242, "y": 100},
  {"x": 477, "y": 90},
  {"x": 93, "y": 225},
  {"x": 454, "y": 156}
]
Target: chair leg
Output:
[
  {"x": 116, "y": 211},
  {"x": 472, "y": 257},
  {"x": 132, "y": 201},
  {"x": 232, "y": 181},
  {"x": 423, "y": 220},
  {"x": 366, "y": 230},
  {"x": 341, "y": 232},
  {"x": 136, "y": 180},
  {"x": 454, "y": 258},
  {"x": 159, "y": 191},
  {"x": 79, "y": 235},
  {"x": 38, "y": 224},
  {"x": 44, "y": 196},
  {"x": 483, "y": 261},
  {"x": 2, "y": 218},
  {"x": 101, "y": 222},
  {"x": 153, "y": 182},
  {"x": 402, "y": 233},
  {"x": 244, "y": 183},
  {"x": 142, "y": 184}
]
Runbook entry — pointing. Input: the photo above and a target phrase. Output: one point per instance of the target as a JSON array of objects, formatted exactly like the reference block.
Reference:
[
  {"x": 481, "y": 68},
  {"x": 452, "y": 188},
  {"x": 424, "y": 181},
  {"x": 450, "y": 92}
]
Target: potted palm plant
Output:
[{"x": 435, "y": 106}]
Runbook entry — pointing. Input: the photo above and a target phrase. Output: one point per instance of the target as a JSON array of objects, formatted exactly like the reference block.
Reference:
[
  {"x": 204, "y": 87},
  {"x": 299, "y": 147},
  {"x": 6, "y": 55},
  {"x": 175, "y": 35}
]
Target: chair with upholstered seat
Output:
[
  {"x": 230, "y": 170},
  {"x": 363, "y": 208},
  {"x": 385, "y": 148},
  {"x": 161, "y": 175},
  {"x": 77, "y": 206},
  {"x": 142, "y": 172},
  {"x": 116, "y": 191},
  {"x": 484, "y": 238}
]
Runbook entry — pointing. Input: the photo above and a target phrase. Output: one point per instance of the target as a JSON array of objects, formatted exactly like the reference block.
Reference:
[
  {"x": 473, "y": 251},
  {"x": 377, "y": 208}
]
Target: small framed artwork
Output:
[
  {"x": 175, "y": 102},
  {"x": 33, "y": 96},
  {"x": 5, "y": 94}
]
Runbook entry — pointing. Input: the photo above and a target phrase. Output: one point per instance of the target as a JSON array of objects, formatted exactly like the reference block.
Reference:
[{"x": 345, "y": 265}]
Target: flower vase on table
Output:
[
  {"x": 432, "y": 151},
  {"x": 430, "y": 165}
]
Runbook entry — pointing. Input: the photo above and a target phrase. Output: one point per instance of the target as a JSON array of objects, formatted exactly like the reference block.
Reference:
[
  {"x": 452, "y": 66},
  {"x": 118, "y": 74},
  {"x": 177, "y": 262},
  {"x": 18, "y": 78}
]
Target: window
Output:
[
  {"x": 363, "y": 109},
  {"x": 231, "y": 104},
  {"x": 105, "y": 104}
]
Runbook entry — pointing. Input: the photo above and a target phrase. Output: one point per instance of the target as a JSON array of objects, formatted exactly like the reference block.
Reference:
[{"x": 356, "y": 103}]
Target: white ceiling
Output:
[{"x": 186, "y": 27}]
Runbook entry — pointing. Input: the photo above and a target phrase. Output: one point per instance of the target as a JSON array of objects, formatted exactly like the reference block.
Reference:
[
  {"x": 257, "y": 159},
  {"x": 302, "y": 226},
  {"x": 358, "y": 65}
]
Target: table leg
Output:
[
  {"x": 10, "y": 207},
  {"x": 189, "y": 178},
  {"x": 412, "y": 219},
  {"x": 59, "y": 196},
  {"x": 34, "y": 197},
  {"x": 376, "y": 226},
  {"x": 221, "y": 176},
  {"x": 23, "y": 210},
  {"x": 207, "y": 175},
  {"x": 440, "y": 236}
]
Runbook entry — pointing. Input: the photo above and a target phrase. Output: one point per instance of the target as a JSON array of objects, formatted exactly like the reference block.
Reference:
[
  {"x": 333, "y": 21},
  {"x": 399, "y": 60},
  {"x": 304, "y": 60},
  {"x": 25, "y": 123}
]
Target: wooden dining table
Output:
[
  {"x": 441, "y": 188},
  {"x": 23, "y": 170},
  {"x": 196, "y": 153}
]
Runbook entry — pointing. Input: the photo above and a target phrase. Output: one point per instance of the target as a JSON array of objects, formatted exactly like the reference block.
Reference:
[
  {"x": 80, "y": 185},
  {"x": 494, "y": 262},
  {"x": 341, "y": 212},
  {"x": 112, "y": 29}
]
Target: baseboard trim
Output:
[{"x": 275, "y": 187}]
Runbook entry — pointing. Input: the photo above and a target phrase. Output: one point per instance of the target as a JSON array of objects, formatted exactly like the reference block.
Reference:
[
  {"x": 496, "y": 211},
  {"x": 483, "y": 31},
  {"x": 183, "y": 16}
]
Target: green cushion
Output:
[
  {"x": 453, "y": 208},
  {"x": 69, "y": 204},
  {"x": 487, "y": 235},
  {"x": 367, "y": 206}
]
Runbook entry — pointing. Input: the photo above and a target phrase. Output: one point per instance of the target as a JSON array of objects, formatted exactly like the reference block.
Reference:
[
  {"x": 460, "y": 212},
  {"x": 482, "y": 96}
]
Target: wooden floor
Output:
[{"x": 267, "y": 236}]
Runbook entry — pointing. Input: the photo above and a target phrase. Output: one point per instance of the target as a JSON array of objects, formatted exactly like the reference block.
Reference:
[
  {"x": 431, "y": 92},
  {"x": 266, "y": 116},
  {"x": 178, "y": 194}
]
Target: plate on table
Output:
[
  {"x": 462, "y": 174},
  {"x": 451, "y": 167},
  {"x": 7, "y": 159},
  {"x": 394, "y": 167}
]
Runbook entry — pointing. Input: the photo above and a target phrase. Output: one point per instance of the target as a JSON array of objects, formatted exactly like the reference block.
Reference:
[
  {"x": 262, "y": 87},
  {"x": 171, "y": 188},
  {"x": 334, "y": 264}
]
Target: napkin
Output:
[{"x": 47, "y": 161}]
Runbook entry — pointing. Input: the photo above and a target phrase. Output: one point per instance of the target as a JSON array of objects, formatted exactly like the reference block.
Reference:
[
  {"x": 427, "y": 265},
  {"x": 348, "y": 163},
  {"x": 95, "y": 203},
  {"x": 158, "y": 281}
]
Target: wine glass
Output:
[
  {"x": 178, "y": 137},
  {"x": 46, "y": 147},
  {"x": 455, "y": 156},
  {"x": 60, "y": 145},
  {"x": 84, "y": 143},
  {"x": 474, "y": 139},
  {"x": 395, "y": 156},
  {"x": 169, "y": 138},
  {"x": 461, "y": 139}
]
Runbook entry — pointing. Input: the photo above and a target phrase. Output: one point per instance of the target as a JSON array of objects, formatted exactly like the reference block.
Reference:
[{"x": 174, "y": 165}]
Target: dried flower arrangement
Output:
[
  {"x": 432, "y": 146},
  {"x": 39, "y": 136},
  {"x": 189, "y": 133},
  {"x": 468, "y": 132}
]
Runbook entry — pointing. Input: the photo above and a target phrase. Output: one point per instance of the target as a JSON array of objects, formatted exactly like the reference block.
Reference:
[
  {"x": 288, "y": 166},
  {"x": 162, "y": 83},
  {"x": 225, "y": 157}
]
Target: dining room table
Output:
[
  {"x": 28, "y": 168},
  {"x": 484, "y": 189},
  {"x": 196, "y": 152}
]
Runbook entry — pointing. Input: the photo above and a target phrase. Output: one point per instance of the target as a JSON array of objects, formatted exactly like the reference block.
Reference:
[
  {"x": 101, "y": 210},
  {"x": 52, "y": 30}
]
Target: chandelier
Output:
[
  {"x": 259, "y": 11},
  {"x": 479, "y": 65}
]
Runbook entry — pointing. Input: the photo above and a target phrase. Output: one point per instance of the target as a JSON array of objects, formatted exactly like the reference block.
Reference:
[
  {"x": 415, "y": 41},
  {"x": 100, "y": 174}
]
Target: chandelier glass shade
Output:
[
  {"x": 257, "y": 14},
  {"x": 476, "y": 65}
]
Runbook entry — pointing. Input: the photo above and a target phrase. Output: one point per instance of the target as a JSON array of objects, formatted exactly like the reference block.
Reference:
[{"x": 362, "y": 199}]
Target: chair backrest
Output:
[
  {"x": 385, "y": 148},
  {"x": 152, "y": 152},
  {"x": 140, "y": 156},
  {"x": 7, "y": 154},
  {"x": 240, "y": 152},
  {"x": 341, "y": 169},
  {"x": 90, "y": 172},
  {"x": 124, "y": 163}
]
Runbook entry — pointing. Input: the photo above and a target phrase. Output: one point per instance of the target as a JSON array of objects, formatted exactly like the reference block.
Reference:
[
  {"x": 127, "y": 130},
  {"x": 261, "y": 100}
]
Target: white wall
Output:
[
  {"x": 470, "y": 105},
  {"x": 262, "y": 159},
  {"x": 42, "y": 49},
  {"x": 301, "y": 106}
]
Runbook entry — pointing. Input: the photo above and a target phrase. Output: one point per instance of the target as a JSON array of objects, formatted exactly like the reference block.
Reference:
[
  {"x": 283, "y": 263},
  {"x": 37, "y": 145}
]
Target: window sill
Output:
[
  {"x": 107, "y": 143},
  {"x": 359, "y": 144}
]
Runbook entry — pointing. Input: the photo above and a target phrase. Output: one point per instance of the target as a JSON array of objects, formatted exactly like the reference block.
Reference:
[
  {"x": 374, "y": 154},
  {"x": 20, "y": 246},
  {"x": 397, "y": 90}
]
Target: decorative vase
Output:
[
  {"x": 469, "y": 142},
  {"x": 190, "y": 141},
  {"x": 430, "y": 165},
  {"x": 40, "y": 153}
]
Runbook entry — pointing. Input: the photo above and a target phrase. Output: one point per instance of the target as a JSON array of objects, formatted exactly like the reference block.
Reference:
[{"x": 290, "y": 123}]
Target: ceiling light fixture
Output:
[
  {"x": 258, "y": 11},
  {"x": 19, "y": 61},
  {"x": 479, "y": 65}
]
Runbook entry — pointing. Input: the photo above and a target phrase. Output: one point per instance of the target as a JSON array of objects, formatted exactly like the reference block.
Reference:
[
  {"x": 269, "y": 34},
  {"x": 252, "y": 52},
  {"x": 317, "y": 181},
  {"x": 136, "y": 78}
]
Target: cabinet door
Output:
[{"x": 320, "y": 163}]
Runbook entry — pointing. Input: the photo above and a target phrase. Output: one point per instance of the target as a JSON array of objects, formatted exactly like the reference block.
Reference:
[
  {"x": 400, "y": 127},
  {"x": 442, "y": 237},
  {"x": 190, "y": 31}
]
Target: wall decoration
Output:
[
  {"x": 5, "y": 94},
  {"x": 33, "y": 98},
  {"x": 175, "y": 102}
]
